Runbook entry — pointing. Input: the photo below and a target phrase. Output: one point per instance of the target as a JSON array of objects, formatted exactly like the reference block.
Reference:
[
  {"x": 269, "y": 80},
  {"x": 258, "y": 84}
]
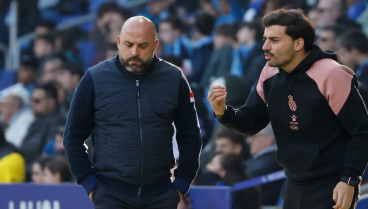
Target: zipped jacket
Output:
[{"x": 130, "y": 120}]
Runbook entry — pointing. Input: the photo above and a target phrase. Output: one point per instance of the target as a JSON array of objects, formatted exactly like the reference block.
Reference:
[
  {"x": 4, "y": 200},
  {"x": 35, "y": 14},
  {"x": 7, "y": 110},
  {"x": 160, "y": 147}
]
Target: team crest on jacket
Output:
[
  {"x": 292, "y": 103},
  {"x": 191, "y": 97}
]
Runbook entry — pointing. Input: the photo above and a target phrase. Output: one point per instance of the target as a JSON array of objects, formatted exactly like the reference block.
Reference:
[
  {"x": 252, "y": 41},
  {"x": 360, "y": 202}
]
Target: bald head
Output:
[
  {"x": 139, "y": 23},
  {"x": 137, "y": 44}
]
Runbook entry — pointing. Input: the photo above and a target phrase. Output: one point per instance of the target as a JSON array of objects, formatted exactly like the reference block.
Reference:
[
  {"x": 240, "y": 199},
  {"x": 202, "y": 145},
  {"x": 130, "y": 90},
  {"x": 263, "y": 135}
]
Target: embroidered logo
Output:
[
  {"x": 292, "y": 103},
  {"x": 294, "y": 123},
  {"x": 191, "y": 96}
]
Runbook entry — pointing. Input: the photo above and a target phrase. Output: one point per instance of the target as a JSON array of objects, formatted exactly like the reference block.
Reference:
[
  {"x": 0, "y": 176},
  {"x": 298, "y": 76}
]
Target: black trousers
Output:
[
  {"x": 316, "y": 195},
  {"x": 105, "y": 198}
]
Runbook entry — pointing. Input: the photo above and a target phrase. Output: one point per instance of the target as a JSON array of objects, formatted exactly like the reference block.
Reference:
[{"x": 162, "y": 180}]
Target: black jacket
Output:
[
  {"x": 130, "y": 120},
  {"x": 317, "y": 114}
]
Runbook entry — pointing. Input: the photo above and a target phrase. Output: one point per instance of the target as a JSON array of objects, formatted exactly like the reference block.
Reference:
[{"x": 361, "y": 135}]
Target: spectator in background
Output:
[
  {"x": 49, "y": 69},
  {"x": 221, "y": 57},
  {"x": 43, "y": 46},
  {"x": 38, "y": 166},
  {"x": 16, "y": 116},
  {"x": 231, "y": 170},
  {"x": 110, "y": 16},
  {"x": 157, "y": 10},
  {"x": 69, "y": 75},
  {"x": 44, "y": 27},
  {"x": 56, "y": 171},
  {"x": 55, "y": 147},
  {"x": 326, "y": 37},
  {"x": 353, "y": 52},
  {"x": 333, "y": 12},
  {"x": 27, "y": 72},
  {"x": 225, "y": 142},
  {"x": 263, "y": 161},
  {"x": 65, "y": 45},
  {"x": 170, "y": 34},
  {"x": 202, "y": 46},
  {"x": 48, "y": 118},
  {"x": 12, "y": 165},
  {"x": 248, "y": 57}
]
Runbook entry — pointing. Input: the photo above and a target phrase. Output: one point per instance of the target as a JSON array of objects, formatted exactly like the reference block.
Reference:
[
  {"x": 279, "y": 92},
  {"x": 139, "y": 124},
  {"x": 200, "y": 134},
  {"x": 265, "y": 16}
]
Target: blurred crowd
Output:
[{"x": 213, "y": 41}]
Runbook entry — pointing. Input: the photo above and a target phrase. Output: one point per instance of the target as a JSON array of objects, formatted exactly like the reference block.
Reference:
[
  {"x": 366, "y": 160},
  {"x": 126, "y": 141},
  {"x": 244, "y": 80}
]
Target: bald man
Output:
[{"x": 129, "y": 106}]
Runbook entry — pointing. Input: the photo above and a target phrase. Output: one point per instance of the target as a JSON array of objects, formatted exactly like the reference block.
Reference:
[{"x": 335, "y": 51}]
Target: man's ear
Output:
[{"x": 298, "y": 44}]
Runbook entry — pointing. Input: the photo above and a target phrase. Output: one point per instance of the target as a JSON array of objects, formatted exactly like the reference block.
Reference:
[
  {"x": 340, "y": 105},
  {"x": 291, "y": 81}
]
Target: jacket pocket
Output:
[
  {"x": 99, "y": 155},
  {"x": 298, "y": 159}
]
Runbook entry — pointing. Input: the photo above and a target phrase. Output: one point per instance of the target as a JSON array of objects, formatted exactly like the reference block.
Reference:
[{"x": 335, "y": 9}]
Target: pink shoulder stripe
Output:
[
  {"x": 333, "y": 81},
  {"x": 267, "y": 72}
]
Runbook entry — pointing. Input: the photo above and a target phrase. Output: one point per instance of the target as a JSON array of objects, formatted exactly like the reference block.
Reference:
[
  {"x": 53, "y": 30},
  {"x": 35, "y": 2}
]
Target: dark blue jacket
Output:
[{"x": 130, "y": 120}]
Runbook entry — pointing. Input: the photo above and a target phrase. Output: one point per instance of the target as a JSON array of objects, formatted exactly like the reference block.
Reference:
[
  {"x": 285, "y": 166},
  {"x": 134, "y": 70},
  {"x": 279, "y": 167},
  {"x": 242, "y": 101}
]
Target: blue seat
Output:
[
  {"x": 363, "y": 202},
  {"x": 7, "y": 78},
  {"x": 87, "y": 49},
  {"x": 214, "y": 197}
]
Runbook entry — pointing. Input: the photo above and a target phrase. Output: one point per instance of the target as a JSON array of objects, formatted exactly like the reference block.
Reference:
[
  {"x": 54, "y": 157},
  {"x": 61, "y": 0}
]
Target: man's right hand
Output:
[{"x": 216, "y": 97}]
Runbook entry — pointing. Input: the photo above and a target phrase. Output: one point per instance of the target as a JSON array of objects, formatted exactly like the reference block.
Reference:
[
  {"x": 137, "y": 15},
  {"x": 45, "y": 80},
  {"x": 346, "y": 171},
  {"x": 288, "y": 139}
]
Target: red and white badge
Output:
[{"x": 191, "y": 96}]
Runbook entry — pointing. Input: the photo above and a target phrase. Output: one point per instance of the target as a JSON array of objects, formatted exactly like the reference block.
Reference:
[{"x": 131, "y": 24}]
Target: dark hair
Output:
[
  {"x": 255, "y": 25},
  {"x": 204, "y": 23},
  {"x": 46, "y": 23},
  {"x": 223, "y": 132},
  {"x": 297, "y": 25},
  {"x": 73, "y": 68},
  {"x": 50, "y": 90},
  {"x": 228, "y": 30},
  {"x": 175, "y": 22},
  {"x": 354, "y": 38},
  {"x": 48, "y": 38},
  {"x": 106, "y": 7},
  {"x": 59, "y": 164},
  {"x": 42, "y": 160},
  {"x": 233, "y": 165},
  {"x": 29, "y": 61}
]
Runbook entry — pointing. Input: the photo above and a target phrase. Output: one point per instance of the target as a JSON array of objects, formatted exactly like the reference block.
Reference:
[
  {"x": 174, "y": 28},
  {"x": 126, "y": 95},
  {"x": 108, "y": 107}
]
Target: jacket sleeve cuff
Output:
[
  {"x": 181, "y": 185},
  {"x": 229, "y": 111},
  {"x": 89, "y": 183},
  {"x": 348, "y": 172}
]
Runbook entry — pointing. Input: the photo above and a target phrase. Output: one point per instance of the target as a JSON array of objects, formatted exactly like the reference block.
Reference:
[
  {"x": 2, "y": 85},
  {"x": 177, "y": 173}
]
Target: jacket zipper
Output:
[
  {"x": 140, "y": 132},
  {"x": 105, "y": 146}
]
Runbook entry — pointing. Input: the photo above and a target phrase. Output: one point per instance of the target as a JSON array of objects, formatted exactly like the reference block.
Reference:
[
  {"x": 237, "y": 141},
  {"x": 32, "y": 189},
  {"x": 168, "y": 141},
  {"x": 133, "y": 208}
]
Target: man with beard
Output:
[
  {"x": 128, "y": 105},
  {"x": 316, "y": 111}
]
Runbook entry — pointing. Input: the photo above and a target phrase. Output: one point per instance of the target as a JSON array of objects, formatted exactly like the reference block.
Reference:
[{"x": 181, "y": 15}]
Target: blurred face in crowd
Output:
[
  {"x": 215, "y": 165},
  {"x": 137, "y": 44},
  {"x": 51, "y": 178},
  {"x": 26, "y": 75},
  {"x": 42, "y": 48},
  {"x": 279, "y": 48},
  {"x": 346, "y": 57},
  {"x": 167, "y": 33},
  {"x": 258, "y": 142},
  {"x": 37, "y": 173},
  {"x": 67, "y": 80},
  {"x": 245, "y": 35},
  {"x": 226, "y": 146},
  {"x": 50, "y": 71},
  {"x": 328, "y": 12},
  {"x": 326, "y": 40},
  {"x": 41, "y": 104}
]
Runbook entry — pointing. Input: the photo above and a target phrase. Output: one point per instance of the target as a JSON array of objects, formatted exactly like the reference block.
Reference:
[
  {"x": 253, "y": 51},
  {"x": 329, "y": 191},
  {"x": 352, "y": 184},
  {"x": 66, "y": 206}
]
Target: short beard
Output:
[{"x": 135, "y": 68}]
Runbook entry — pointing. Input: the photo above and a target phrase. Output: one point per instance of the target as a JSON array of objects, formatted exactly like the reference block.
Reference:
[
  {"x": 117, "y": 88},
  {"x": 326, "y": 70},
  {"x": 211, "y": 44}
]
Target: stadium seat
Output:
[
  {"x": 87, "y": 50},
  {"x": 363, "y": 202},
  {"x": 7, "y": 78}
]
